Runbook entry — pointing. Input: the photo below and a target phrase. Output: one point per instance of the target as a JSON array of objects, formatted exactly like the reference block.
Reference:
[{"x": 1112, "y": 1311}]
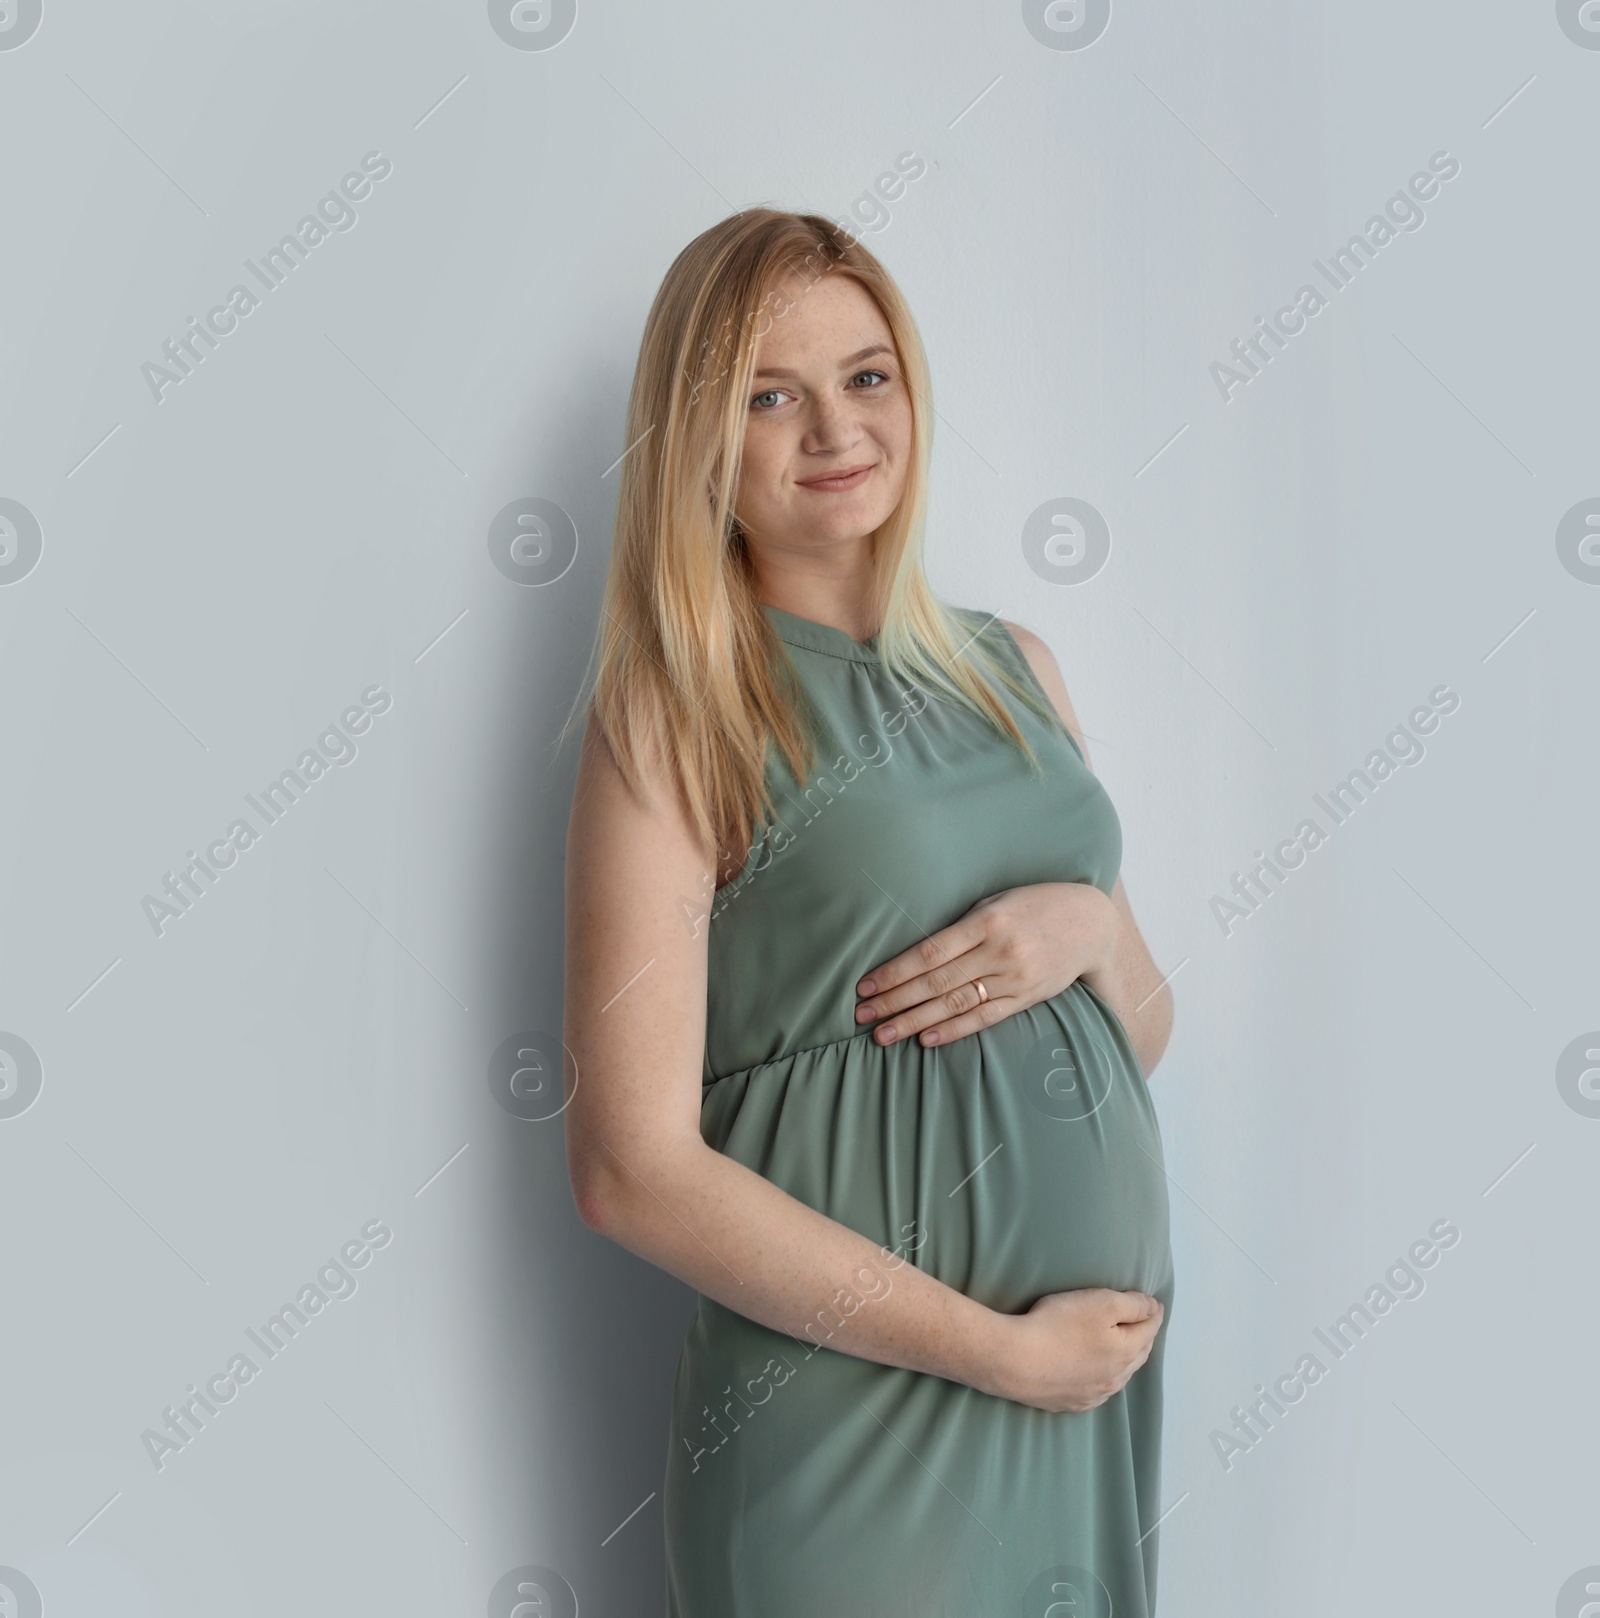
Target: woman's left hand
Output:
[{"x": 1026, "y": 944}]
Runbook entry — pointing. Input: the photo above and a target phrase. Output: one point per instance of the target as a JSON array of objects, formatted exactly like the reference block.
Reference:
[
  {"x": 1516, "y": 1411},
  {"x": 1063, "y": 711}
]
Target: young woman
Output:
[{"x": 859, "y": 1015}]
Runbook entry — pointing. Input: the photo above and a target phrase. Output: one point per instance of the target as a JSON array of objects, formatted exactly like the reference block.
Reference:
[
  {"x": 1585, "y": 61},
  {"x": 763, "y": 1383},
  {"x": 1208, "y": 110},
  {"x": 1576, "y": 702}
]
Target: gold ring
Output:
[{"x": 983, "y": 993}]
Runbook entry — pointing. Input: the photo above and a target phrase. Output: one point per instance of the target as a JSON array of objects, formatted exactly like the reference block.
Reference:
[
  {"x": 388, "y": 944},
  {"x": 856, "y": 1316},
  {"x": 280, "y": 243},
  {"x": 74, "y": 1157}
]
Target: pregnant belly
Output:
[{"x": 1022, "y": 1160}]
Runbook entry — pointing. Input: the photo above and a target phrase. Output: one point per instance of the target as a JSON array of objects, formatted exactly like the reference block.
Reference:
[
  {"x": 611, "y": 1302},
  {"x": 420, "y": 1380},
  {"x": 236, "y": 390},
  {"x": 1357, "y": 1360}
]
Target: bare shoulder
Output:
[
  {"x": 1043, "y": 663},
  {"x": 616, "y": 828},
  {"x": 634, "y": 973}
]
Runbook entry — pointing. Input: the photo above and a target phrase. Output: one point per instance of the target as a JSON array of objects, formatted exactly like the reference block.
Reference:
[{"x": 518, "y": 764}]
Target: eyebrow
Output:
[{"x": 849, "y": 360}]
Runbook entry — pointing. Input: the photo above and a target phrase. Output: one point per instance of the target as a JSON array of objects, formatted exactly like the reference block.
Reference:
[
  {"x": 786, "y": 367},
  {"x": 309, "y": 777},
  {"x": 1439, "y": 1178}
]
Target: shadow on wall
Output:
[{"x": 587, "y": 1336}]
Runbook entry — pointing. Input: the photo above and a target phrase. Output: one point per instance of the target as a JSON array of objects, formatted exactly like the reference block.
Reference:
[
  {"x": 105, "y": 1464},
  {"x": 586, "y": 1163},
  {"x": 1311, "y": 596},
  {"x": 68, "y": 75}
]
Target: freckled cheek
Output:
[{"x": 762, "y": 481}]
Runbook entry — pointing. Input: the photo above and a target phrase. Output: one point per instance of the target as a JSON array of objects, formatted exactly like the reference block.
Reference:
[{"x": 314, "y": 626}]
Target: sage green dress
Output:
[{"x": 1021, "y": 1160}]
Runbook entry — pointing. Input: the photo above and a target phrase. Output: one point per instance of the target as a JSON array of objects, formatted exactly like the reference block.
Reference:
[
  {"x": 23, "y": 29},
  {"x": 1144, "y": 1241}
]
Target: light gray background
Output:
[{"x": 307, "y": 515}]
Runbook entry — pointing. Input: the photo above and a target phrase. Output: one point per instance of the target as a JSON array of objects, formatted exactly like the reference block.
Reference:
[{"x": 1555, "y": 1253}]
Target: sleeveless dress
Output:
[{"x": 1021, "y": 1160}]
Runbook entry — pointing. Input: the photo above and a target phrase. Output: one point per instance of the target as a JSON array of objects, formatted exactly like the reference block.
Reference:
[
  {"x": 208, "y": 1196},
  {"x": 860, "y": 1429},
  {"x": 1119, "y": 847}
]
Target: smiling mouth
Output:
[{"x": 836, "y": 482}]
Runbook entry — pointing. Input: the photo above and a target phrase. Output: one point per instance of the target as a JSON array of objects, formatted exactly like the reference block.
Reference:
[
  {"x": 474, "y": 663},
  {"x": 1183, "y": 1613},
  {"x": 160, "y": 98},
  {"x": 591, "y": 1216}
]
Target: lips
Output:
[{"x": 848, "y": 477}]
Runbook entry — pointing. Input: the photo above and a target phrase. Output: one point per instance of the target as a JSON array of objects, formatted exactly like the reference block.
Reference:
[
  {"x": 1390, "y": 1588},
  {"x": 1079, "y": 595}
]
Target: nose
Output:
[{"x": 832, "y": 427}]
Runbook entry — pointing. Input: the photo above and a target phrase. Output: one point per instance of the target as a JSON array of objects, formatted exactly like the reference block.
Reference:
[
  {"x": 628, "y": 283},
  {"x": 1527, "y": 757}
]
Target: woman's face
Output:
[{"x": 828, "y": 398}]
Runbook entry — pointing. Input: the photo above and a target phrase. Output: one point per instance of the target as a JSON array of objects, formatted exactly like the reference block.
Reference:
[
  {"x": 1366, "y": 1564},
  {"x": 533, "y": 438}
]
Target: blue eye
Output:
[
  {"x": 771, "y": 393},
  {"x": 860, "y": 374}
]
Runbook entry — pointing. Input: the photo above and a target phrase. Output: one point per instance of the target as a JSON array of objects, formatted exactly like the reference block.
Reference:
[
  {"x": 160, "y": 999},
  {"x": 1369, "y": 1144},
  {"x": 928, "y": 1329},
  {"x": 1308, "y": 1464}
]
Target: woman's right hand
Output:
[{"x": 1072, "y": 1350}]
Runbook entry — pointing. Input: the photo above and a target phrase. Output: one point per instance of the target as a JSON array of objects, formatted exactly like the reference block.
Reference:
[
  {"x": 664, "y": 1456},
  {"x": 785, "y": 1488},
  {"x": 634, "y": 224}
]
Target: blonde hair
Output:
[{"x": 691, "y": 678}]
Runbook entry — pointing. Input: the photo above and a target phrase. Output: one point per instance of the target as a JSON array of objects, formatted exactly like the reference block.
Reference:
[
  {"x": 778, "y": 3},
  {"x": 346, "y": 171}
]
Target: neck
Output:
[{"x": 828, "y": 589}]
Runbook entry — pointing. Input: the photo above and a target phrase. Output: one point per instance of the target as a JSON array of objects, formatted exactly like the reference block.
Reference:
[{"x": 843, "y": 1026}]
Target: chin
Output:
[{"x": 855, "y": 522}]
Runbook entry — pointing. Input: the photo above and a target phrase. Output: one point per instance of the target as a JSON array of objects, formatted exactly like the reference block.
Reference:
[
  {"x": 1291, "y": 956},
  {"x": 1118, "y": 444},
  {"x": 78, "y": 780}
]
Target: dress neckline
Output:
[{"x": 807, "y": 633}]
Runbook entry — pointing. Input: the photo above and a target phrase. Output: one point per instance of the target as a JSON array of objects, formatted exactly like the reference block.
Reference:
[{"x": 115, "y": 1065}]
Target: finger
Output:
[
  {"x": 1144, "y": 1330},
  {"x": 950, "y": 1002},
  {"x": 933, "y": 1024},
  {"x": 934, "y": 950},
  {"x": 960, "y": 967},
  {"x": 975, "y": 1021},
  {"x": 958, "y": 973}
]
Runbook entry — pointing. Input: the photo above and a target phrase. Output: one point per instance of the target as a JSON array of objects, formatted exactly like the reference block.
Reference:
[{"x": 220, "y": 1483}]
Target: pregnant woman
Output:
[{"x": 859, "y": 1014}]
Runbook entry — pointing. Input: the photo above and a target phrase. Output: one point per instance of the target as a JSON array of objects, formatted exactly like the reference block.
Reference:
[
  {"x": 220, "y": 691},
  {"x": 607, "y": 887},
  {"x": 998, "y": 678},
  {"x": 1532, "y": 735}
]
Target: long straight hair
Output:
[{"x": 691, "y": 680}]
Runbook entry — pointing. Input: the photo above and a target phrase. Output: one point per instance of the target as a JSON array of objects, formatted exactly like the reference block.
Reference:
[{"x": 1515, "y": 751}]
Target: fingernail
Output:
[
  {"x": 931, "y": 1037},
  {"x": 865, "y": 986},
  {"x": 865, "y": 1013},
  {"x": 886, "y": 1034}
]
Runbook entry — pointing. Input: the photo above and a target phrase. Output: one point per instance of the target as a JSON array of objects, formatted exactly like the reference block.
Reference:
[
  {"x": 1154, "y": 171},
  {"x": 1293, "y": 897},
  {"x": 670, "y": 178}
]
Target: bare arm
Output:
[
  {"x": 641, "y": 1172},
  {"x": 643, "y": 1175},
  {"x": 1132, "y": 984}
]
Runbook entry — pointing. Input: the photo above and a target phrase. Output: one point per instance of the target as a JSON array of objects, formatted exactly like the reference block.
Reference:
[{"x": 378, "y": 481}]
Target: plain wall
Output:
[{"x": 226, "y": 1098}]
